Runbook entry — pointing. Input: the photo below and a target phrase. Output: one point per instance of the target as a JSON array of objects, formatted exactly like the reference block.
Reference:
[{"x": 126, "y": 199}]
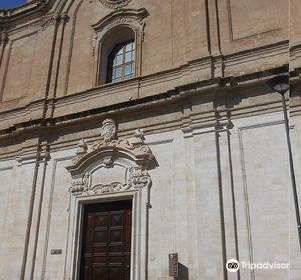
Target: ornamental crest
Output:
[
  {"x": 110, "y": 165},
  {"x": 108, "y": 130},
  {"x": 114, "y": 4}
]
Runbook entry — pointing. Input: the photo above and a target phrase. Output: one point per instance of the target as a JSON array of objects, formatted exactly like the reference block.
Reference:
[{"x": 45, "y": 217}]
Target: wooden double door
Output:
[{"x": 106, "y": 241}]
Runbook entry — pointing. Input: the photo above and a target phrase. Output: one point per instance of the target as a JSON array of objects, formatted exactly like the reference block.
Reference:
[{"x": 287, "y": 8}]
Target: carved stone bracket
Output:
[{"x": 110, "y": 166}]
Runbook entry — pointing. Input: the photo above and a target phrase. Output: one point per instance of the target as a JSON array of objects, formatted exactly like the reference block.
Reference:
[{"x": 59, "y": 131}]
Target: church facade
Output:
[{"x": 139, "y": 139}]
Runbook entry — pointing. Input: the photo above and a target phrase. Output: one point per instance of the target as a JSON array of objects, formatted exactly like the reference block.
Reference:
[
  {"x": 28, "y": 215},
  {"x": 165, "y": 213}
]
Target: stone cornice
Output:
[
  {"x": 8, "y": 15},
  {"x": 202, "y": 64},
  {"x": 174, "y": 95}
]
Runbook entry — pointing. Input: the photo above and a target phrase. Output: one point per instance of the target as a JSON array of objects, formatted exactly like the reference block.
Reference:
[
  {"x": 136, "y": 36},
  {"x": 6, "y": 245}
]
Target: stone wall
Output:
[
  {"x": 55, "y": 56},
  {"x": 220, "y": 180},
  {"x": 220, "y": 190}
]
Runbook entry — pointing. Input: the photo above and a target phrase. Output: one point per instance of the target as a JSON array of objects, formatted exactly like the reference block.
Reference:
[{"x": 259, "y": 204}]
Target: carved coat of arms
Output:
[{"x": 108, "y": 130}]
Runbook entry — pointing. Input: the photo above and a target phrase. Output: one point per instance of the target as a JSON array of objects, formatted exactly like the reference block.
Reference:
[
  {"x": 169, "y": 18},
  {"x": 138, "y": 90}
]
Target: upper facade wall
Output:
[
  {"x": 41, "y": 58},
  {"x": 295, "y": 34}
]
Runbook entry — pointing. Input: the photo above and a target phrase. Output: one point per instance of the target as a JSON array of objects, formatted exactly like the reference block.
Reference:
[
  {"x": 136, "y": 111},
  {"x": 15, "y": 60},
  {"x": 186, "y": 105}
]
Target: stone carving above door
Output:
[
  {"x": 108, "y": 130},
  {"x": 136, "y": 179},
  {"x": 114, "y": 4},
  {"x": 110, "y": 165}
]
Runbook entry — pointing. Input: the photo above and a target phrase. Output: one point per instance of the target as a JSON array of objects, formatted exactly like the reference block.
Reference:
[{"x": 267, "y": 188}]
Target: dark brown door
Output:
[{"x": 106, "y": 244}]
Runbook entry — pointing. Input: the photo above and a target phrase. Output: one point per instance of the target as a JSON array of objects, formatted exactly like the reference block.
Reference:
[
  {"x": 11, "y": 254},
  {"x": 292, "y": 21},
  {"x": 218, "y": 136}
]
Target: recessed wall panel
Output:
[
  {"x": 266, "y": 188},
  {"x": 19, "y": 68},
  {"x": 253, "y": 17}
]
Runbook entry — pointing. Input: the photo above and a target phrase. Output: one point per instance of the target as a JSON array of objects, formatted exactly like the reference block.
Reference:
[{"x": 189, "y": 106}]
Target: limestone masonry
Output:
[{"x": 134, "y": 129}]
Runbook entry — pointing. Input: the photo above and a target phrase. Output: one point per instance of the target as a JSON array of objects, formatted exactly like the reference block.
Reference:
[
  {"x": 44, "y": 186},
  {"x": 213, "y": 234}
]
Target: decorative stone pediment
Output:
[
  {"x": 132, "y": 17},
  {"x": 114, "y": 4},
  {"x": 110, "y": 165}
]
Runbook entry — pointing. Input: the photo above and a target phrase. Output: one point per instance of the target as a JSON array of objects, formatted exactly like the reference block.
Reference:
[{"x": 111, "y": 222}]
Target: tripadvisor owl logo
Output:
[{"x": 232, "y": 265}]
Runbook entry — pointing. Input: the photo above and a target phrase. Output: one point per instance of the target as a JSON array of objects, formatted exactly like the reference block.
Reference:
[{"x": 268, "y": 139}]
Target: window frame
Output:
[
  {"x": 123, "y": 24},
  {"x": 113, "y": 55}
]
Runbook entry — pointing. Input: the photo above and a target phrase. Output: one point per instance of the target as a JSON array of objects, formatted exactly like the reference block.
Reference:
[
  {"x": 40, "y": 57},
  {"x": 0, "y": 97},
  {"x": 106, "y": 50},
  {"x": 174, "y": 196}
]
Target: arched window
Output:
[
  {"x": 121, "y": 62},
  {"x": 118, "y": 44}
]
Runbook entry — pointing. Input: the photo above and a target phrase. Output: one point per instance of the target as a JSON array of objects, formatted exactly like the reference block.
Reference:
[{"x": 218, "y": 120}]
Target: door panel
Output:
[{"x": 106, "y": 243}]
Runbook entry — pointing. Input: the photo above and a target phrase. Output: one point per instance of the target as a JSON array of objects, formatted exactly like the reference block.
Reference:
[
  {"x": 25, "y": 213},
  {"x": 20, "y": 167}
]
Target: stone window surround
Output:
[{"x": 119, "y": 22}]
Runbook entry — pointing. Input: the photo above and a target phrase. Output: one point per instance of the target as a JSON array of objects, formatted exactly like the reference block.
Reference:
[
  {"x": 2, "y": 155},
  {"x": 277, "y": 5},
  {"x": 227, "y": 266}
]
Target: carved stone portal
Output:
[{"x": 111, "y": 165}]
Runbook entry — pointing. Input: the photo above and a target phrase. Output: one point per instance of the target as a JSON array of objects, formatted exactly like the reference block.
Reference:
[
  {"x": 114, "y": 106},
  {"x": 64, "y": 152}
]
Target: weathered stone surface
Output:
[{"x": 196, "y": 138}]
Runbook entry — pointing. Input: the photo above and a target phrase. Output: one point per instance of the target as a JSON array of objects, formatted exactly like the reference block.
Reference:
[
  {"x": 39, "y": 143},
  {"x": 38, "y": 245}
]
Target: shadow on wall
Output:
[{"x": 183, "y": 272}]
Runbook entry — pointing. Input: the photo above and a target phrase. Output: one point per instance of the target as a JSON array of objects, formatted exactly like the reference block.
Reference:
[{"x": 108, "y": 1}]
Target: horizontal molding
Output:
[
  {"x": 28, "y": 116},
  {"x": 6, "y": 168},
  {"x": 8, "y": 15}
]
